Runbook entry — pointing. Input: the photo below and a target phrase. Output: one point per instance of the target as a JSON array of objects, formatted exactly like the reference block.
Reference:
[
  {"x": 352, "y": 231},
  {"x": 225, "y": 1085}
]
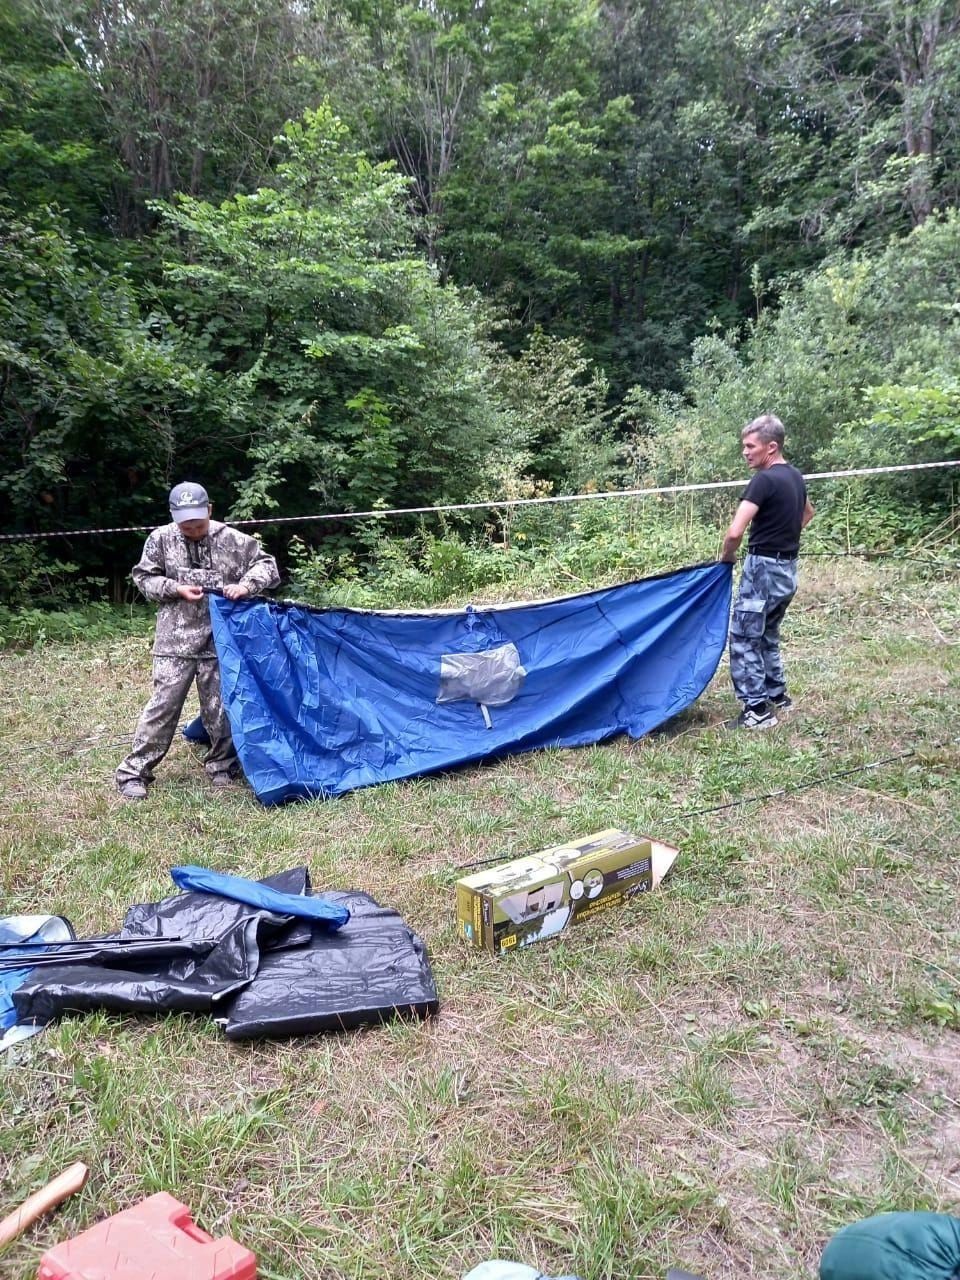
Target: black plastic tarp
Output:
[
  {"x": 257, "y": 972},
  {"x": 372, "y": 970}
]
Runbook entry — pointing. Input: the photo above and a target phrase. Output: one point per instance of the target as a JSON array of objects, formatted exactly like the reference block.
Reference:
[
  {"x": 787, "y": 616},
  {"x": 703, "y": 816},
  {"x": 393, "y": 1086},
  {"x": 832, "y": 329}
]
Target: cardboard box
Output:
[{"x": 521, "y": 902}]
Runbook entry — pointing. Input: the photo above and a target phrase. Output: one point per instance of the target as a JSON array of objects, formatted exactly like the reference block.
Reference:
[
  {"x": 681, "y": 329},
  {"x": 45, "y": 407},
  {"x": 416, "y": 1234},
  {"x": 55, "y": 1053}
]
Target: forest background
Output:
[{"x": 325, "y": 257}]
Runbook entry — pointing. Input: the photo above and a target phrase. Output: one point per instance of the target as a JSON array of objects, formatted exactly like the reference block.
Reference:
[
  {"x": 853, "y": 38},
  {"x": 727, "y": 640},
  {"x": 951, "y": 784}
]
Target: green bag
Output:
[{"x": 895, "y": 1246}]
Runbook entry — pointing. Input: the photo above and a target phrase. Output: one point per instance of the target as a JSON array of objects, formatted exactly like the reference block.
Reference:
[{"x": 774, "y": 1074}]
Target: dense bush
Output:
[
  {"x": 552, "y": 550},
  {"x": 25, "y": 628},
  {"x": 859, "y": 361}
]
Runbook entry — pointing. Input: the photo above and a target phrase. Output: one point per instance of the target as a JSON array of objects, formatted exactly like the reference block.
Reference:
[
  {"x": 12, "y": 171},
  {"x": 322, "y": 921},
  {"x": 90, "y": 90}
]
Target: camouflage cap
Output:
[{"x": 189, "y": 502}]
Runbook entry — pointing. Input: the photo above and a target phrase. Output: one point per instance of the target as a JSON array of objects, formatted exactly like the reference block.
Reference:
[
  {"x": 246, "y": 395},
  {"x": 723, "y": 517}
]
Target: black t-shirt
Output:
[{"x": 781, "y": 496}]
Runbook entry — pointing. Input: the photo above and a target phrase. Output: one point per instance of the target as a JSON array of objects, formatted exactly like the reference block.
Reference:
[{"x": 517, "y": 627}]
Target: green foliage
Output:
[
  {"x": 937, "y": 1003},
  {"x": 547, "y": 167},
  {"x": 28, "y": 574},
  {"x": 554, "y": 419},
  {"x": 858, "y": 516},
  {"x": 538, "y": 551},
  {"x": 359, "y": 378},
  {"x": 615, "y": 173},
  {"x": 423, "y": 570},
  {"x": 638, "y": 196},
  {"x": 29, "y": 628},
  {"x": 190, "y": 92},
  {"x": 53, "y": 147},
  {"x": 540, "y": 232},
  {"x": 93, "y": 397},
  {"x": 921, "y": 413},
  {"x": 859, "y": 361},
  {"x": 859, "y": 110}
]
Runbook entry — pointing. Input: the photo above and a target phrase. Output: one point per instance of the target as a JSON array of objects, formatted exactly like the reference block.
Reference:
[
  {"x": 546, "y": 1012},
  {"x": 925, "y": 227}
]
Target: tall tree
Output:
[
  {"x": 54, "y": 148},
  {"x": 362, "y": 381},
  {"x": 863, "y": 103},
  {"x": 193, "y": 91},
  {"x": 97, "y": 400}
]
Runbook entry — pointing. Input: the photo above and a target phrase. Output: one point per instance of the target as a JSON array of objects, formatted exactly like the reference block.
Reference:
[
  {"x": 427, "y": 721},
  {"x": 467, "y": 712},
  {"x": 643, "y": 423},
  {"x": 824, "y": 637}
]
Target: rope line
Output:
[
  {"x": 491, "y": 504},
  {"x": 719, "y": 808},
  {"x": 799, "y": 786}
]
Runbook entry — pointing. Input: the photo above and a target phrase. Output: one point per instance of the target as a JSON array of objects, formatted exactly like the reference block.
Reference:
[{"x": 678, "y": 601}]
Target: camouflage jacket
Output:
[{"x": 169, "y": 559}]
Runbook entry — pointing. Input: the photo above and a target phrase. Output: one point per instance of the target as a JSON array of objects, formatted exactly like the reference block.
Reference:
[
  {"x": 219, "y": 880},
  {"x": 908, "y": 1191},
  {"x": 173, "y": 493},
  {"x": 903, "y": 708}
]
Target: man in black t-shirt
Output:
[{"x": 776, "y": 507}]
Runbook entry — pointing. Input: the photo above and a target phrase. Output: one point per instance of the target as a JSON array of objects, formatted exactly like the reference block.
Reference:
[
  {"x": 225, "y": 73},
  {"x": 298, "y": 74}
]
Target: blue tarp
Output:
[
  {"x": 321, "y": 701},
  {"x": 15, "y": 931},
  {"x": 262, "y": 896}
]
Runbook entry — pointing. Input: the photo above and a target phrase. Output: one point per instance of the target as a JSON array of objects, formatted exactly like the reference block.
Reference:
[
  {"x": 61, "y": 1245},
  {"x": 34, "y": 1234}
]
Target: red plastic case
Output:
[{"x": 154, "y": 1240}]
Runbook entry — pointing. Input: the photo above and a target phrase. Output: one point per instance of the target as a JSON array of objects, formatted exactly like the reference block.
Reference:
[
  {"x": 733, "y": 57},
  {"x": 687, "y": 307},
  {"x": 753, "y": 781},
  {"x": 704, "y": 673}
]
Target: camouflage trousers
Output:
[
  {"x": 172, "y": 678},
  {"x": 766, "y": 588}
]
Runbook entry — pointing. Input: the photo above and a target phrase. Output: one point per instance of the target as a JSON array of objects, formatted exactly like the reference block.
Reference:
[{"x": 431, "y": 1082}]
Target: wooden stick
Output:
[{"x": 42, "y": 1201}]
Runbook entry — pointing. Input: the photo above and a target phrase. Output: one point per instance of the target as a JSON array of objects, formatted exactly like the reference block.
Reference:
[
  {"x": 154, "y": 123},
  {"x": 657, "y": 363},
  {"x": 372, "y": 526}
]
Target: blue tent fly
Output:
[{"x": 322, "y": 701}]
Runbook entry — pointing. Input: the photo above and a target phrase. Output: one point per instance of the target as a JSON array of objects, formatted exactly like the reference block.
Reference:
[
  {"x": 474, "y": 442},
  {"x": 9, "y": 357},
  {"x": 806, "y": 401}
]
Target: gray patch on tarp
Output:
[{"x": 491, "y": 678}]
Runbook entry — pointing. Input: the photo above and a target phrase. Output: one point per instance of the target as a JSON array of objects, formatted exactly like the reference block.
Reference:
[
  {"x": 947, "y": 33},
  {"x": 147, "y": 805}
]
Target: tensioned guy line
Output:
[
  {"x": 759, "y": 798},
  {"x": 488, "y": 504}
]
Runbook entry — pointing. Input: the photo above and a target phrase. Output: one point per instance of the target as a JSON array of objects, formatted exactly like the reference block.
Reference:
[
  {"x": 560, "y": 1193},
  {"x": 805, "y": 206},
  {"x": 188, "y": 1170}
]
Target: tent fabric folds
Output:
[
  {"x": 258, "y": 972},
  {"x": 322, "y": 701},
  {"x": 371, "y": 971},
  {"x": 16, "y": 934}
]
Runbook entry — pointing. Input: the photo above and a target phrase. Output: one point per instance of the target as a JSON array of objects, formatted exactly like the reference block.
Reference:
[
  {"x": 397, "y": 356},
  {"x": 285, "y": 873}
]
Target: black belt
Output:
[{"x": 772, "y": 555}]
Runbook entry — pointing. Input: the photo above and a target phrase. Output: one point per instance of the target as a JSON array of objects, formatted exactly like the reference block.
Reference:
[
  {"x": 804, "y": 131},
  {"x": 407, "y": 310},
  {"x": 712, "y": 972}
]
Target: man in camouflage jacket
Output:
[{"x": 179, "y": 560}]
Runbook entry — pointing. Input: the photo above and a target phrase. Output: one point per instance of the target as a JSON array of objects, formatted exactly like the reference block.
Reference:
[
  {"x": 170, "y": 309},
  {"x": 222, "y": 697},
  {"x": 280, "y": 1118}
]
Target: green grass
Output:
[{"x": 717, "y": 1077}]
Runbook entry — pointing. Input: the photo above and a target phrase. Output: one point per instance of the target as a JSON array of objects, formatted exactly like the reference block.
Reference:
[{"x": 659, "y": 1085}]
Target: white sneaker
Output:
[{"x": 750, "y": 719}]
